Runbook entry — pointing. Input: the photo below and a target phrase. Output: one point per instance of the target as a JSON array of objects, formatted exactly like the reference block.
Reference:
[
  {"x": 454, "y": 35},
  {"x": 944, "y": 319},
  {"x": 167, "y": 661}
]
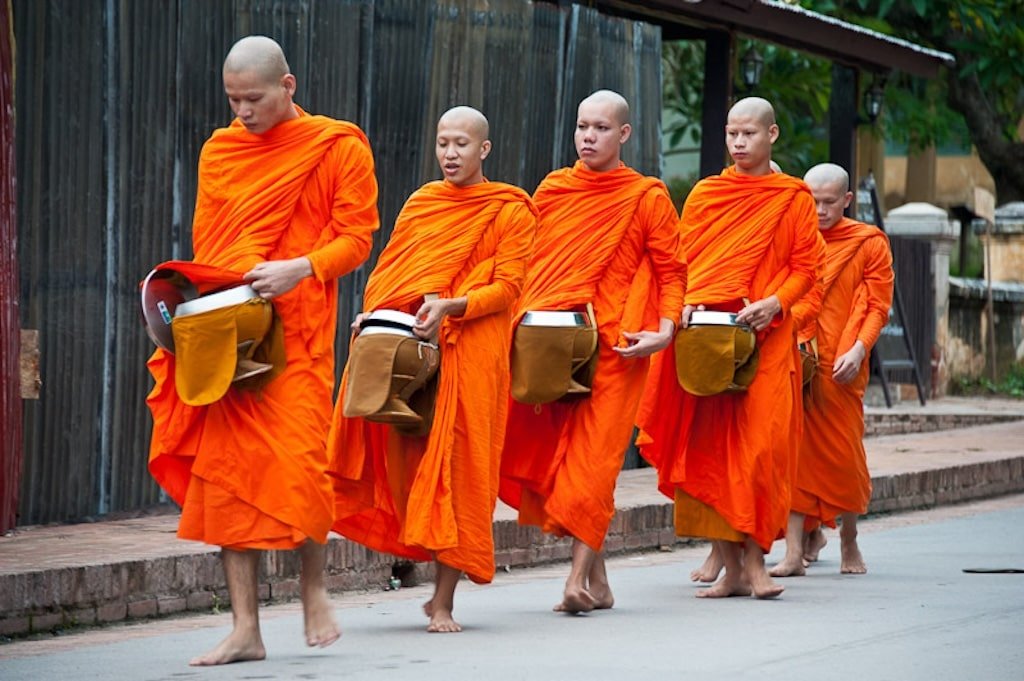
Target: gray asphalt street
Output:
[{"x": 915, "y": 616}]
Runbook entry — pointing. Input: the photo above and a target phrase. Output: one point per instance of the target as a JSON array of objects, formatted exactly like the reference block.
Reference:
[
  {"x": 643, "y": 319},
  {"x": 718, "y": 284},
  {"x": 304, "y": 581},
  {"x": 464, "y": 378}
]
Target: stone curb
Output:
[{"x": 57, "y": 598}]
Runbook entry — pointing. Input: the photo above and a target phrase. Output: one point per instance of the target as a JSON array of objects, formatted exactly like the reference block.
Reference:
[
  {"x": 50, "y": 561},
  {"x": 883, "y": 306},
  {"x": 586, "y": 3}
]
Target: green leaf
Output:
[{"x": 921, "y": 7}]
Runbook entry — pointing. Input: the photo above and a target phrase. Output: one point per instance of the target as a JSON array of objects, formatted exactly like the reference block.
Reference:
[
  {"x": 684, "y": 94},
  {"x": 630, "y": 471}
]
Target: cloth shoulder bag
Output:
[
  {"x": 715, "y": 355},
  {"x": 554, "y": 355}
]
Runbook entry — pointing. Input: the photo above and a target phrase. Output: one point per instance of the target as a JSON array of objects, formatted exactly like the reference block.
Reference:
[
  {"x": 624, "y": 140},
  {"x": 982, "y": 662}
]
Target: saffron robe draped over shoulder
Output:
[
  {"x": 730, "y": 458},
  {"x": 832, "y": 474},
  {"x": 610, "y": 239},
  {"x": 250, "y": 469},
  {"x": 434, "y": 496}
]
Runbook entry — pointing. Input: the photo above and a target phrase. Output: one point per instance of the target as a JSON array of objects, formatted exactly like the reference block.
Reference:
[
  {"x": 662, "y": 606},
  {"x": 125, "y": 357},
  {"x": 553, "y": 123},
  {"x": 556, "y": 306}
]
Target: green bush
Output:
[{"x": 1010, "y": 385}]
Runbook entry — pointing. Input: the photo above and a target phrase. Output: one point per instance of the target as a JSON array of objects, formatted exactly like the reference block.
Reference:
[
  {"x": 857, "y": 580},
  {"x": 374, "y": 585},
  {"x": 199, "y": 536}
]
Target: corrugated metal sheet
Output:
[
  {"x": 10, "y": 376},
  {"x": 116, "y": 98}
]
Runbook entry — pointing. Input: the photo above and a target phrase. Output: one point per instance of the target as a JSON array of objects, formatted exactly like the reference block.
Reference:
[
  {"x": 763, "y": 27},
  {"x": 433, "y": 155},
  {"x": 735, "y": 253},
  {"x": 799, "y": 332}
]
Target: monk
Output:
[
  {"x": 607, "y": 236},
  {"x": 832, "y": 474},
  {"x": 288, "y": 203},
  {"x": 432, "y": 498},
  {"x": 727, "y": 460}
]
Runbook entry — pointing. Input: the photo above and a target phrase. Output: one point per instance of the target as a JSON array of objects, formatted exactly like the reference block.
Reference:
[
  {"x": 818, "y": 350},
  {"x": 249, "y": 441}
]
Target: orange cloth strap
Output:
[
  {"x": 251, "y": 184},
  {"x": 568, "y": 262},
  {"x": 715, "y": 222},
  {"x": 445, "y": 221}
]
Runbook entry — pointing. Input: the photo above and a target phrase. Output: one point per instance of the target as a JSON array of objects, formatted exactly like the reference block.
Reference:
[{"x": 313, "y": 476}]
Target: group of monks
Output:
[{"x": 287, "y": 202}]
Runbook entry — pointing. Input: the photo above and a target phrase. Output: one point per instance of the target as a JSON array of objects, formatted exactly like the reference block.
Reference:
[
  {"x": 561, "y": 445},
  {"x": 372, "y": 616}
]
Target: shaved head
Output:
[
  {"x": 619, "y": 105},
  {"x": 827, "y": 174},
  {"x": 257, "y": 54},
  {"x": 830, "y": 186},
  {"x": 466, "y": 118},
  {"x": 754, "y": 107},
  {"x": 462, "y": 145}
]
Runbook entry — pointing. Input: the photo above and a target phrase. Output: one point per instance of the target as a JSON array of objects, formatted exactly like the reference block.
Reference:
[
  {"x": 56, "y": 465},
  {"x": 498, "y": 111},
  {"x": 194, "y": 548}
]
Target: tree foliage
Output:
[
  {"x": 796, "y": 83},
  {"x": 982, "y": 97},
  {"x": 981, "y": 100}
]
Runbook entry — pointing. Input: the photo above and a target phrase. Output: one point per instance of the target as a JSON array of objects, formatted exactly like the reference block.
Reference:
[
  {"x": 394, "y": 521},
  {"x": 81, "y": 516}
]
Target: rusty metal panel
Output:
[
  {"x": 10, "y": 366},
  {"x": 144, "y": 228},
  {"x": 62, "y": 255}
]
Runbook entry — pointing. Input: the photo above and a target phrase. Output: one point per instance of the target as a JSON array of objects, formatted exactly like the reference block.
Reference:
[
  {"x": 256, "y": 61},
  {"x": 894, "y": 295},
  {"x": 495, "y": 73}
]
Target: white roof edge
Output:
[{"x": 945, "y": 57}]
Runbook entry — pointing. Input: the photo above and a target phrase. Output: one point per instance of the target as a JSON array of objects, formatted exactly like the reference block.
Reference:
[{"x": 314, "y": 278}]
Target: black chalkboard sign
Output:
[{"x": 893, "y": 351}]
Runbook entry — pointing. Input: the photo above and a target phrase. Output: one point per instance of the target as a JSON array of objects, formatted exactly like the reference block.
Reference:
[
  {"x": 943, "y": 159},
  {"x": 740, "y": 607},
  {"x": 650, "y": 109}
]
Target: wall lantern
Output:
[
  {"x": 874, "y": 96},
  {"x": 751, "y": 65}
]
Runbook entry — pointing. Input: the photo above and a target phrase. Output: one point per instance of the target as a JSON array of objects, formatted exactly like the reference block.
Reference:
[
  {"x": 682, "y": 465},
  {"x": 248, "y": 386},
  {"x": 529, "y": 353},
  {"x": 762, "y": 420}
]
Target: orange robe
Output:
[
  {"x": 832, "y": 474},
  {"x": 434, "y": 496},
  {"x": 611, "y": 239},
  {"x": 735, "y": 454},
  {"x": 250, "y": 469}
]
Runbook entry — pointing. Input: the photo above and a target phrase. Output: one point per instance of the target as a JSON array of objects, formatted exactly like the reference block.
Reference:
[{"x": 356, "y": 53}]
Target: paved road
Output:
[{"x": 916, "y": 616}]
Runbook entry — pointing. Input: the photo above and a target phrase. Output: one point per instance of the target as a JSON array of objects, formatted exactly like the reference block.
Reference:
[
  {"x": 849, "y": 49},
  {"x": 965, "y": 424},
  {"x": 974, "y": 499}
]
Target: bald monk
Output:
[
  {"x": 727, "y": 460},
  {"x": 607, "y": 236},
  {"x": 712, "y": 566},
  {"x": 832, "y": 475},
  {"x": 433, "y": 497},
  {"x": 286, "y": 202}
]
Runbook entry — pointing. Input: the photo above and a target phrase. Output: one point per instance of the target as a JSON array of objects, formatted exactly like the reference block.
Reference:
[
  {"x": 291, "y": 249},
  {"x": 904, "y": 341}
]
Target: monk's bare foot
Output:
[
  {"x": 709, "y": 571},
  {"x": 852, "y": 562},
  {"x": 441, "y": 620},
  {"x": 576, "y": 601},
  {"x": 321, "y": 627},
  {"x": 602, "y": 595},
  {"x": 760, "y": 583},
  {"x": 813, "y": 545},
  {"x": 239, "y": 646},
  {"x": 789, "y": 566},
  {"x": 725, "y": 587}
]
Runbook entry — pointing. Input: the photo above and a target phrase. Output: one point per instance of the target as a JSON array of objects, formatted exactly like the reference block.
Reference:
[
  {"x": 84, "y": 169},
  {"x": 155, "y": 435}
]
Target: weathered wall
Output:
[{"x": 967, "y": 350}]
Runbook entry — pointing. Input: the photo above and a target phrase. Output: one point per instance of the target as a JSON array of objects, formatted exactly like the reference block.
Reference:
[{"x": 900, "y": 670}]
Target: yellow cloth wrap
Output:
[
  {"x": 694, "y": 518},
  {"x": 715, "y": 359},
  {"x": 206, "y": 347}
]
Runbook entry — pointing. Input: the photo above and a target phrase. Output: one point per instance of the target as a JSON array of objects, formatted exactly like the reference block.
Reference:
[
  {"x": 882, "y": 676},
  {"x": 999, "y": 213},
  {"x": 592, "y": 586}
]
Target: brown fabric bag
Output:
[
  {"x": 712, "y": 359},
  {"x": 550, "y": 363},
  {"x": 392, "y": 379},
  {"x": 808, "y": 361}
]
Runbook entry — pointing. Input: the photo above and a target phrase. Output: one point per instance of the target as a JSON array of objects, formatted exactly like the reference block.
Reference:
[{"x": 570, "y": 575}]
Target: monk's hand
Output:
[
  {"x": 688, "y": 310},
  {"x": 848, "y": 364},
  {"x": 646, "y": 343},
  {"x": 276, "y": 277},
  {"x": 760, "y": 314},
  {"x": 357, "y": 324},
  {"x": 432, "y": 313}
]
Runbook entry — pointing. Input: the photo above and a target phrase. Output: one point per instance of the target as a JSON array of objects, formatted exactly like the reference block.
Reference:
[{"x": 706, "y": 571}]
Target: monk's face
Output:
[
  {"x": 750, "y": 143},
  {"x": 600, "y": 135},
  {"x": 260, "y": 103},
  {"x": 461, "y": 150},
  {"x": 831, "y": 199}
]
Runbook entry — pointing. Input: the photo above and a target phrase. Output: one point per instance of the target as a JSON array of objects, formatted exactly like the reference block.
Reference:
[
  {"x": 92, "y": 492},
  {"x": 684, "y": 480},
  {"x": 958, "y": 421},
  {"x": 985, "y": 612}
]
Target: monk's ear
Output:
[
  {"x": 773, "y": 133},
  {"x": 624, "y": 132},
  {"x": 288, "y": 83},
  {"x": 485, "y": 149},
  {"x": 847, "y": 199}
]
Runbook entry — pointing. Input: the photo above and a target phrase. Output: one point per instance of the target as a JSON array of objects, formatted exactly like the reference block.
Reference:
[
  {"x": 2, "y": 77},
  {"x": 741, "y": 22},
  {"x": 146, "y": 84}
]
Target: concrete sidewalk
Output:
[{"x": 70, "y": 575}]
